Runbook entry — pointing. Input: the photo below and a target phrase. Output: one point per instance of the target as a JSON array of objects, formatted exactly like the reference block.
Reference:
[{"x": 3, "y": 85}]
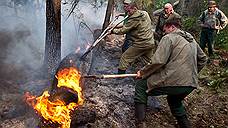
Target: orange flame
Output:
[
  {"x": 70, "y": 78},
  {"x": 57, "y": 111}
]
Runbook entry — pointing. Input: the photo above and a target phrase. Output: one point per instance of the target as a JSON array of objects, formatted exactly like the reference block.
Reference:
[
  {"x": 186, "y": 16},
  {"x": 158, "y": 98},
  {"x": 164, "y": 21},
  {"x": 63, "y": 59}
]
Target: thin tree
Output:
[{"x": 52, "y": 55}]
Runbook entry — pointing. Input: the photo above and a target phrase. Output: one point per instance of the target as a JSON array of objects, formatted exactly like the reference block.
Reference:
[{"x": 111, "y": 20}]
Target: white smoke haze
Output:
[
  {"x": 22, "y": 31},
  {"x": 76, "y": 34},
  {"x": 26, "y": 34}
]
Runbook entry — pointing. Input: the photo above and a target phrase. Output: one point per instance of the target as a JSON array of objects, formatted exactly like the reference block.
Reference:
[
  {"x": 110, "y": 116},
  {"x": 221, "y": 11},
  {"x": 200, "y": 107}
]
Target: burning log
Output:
[
  {"x": 80, "y": 116},
  {"x": 72, "y": 60},
  {"x": 69, "y": 71},
  {"x": 65, "y": 94},
  {"x": 67, "y": 86},
  {"x": 63, "y": 106},
  {"x": 58, "y": 108}
]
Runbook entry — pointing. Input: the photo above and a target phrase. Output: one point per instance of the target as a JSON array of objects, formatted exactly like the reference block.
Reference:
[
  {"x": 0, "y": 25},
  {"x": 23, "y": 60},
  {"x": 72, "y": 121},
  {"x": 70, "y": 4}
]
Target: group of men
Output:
[{"x": 172, "y": 69}]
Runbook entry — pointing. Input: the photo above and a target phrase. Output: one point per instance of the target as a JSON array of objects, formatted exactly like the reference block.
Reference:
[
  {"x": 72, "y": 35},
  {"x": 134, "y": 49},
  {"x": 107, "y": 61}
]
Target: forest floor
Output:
[
  {"x": 207, "y": 106},
  {"x": 112, "y": 99}
]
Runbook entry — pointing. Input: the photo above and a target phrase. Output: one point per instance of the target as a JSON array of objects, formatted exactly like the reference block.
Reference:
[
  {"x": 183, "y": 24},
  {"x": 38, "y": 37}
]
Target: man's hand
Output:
[
  {"x": 110, "y": 30},
  {"x": 203, "y": 25},
  {"x": 119, "y": 14},
  {"x": 139, "y": 75},
  {"x": 217, "y": 27}
]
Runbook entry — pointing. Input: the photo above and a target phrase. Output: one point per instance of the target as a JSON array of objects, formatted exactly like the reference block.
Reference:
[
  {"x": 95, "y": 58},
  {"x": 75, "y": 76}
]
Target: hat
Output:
[
  {"x": 174, "y": 19},
  {"x": 212, "y": 3}
]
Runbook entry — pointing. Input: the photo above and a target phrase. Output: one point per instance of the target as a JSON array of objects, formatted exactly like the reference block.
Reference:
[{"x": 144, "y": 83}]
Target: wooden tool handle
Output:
[{"x": 110, "y": 76}]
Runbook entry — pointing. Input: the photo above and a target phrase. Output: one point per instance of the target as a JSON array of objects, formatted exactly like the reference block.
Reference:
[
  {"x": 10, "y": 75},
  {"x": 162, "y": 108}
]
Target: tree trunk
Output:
[
  {"x": 52, "y": 55},
  {"x": 185, "y": 7},
  {"x": 108, "y": 13},
  {"x": 223, "y": 4}
]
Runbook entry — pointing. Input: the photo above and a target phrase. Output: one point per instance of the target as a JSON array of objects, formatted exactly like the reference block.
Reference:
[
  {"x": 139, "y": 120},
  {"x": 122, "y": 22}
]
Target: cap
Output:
[{"x": 212, "y": 3}]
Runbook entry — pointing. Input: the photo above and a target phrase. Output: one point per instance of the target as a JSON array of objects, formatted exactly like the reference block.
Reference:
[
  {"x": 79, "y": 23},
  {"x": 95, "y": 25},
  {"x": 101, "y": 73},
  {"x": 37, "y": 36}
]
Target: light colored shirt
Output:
[{"x": 213, "y": 20}]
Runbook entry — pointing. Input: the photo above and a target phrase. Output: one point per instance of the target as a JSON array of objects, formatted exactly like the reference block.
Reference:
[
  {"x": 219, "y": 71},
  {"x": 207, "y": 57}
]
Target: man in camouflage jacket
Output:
[{"x": 139, "y": 29}]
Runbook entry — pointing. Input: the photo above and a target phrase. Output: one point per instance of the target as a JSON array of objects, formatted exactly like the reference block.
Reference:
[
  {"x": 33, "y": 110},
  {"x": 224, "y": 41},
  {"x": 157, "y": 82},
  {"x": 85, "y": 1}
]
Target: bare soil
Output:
[{"x": 112, "y": 99}]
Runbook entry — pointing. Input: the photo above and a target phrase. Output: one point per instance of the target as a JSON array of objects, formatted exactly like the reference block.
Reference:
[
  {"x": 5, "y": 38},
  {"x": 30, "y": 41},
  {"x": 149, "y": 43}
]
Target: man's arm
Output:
[
  {"x": 223, "y": 20},
  {"x": 121, "y": 14},
  {"x": 201, "y": 20},
  {"x": 158, "y": 12},
  {"x": 126, "y": 27}
]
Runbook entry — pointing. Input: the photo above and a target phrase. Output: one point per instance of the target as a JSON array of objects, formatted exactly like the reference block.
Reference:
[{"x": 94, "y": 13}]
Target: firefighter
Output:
[
  {"x": 164, "y": 15},
  {"x": 211, "y": 21},
  {"x": 173, "y": 72},
  {"x": 139, "y": 29}
]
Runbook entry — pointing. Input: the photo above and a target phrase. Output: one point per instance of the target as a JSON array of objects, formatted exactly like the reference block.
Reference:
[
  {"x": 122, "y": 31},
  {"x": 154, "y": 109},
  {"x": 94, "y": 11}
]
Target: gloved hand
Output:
[{"x": 109, "y": 31}]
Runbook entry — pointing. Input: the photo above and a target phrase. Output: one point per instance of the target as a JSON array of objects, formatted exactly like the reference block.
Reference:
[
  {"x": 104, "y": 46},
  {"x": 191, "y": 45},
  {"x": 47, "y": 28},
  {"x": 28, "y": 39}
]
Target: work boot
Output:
[
  {"x": 120, "y": 71},
  {"x": 140, "y": 115},
  {"x": 183, "y": 122}
]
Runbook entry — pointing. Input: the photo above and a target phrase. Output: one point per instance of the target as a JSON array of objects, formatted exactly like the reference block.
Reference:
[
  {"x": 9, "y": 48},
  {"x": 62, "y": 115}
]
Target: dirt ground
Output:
[{"x": 112, "y": 99}]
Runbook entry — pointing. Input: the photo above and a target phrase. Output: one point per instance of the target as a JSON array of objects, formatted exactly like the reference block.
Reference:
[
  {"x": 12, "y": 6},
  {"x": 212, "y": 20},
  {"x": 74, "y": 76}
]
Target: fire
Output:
[
  {"x": 70, "y": 78},
  {"x": 57, "y": 111}
]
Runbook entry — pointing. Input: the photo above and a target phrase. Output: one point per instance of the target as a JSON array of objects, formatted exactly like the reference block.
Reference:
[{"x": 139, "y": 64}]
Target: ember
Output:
[{"x": 57, "y": 110}]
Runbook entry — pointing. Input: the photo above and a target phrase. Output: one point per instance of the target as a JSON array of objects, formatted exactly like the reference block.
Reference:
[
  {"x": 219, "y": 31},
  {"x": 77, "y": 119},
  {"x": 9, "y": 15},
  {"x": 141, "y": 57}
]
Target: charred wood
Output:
[{"x": 82, "y": 116}]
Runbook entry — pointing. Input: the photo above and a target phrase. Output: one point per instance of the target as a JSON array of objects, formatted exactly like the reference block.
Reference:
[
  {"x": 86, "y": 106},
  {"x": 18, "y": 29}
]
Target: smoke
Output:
[
  {"x": 77, "y": 30},
  {"x": 21, "y": 41},
  {"x": 22, "y": 33}
]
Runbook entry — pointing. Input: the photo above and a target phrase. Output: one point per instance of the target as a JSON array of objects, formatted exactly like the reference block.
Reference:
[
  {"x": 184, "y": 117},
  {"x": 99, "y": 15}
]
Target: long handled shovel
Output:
[{"x": 103, "y": 34}]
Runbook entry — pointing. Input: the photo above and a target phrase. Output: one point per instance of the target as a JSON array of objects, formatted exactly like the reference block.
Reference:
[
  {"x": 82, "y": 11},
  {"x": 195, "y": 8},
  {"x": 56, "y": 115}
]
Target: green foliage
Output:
[
  {"x": 222, "y": 39},
  {"x": 189, "y": 22},
  {"x": 219, "y": 79},
  {"x": 148, "y": 5},
  {"x": 160, "y": 3}
]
